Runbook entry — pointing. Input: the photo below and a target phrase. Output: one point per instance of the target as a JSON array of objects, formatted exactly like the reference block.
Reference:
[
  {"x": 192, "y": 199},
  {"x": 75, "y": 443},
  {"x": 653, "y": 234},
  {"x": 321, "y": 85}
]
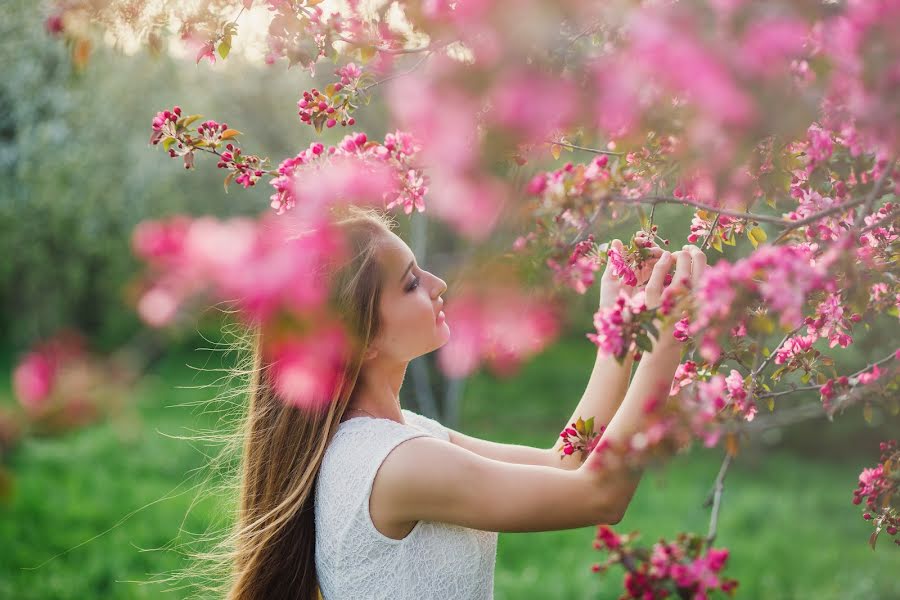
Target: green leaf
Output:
[
  {"x": 319, "y": 121},
  {"x": 867, "y": 412},
  {"x": 757, "y": 235},
  {"x": 366, "y": 53},
  {"x": 555, "y": 151},
  {"x": 643, "y": 342},
  {"x": 186, "y": 121},
  {"x": 167, "y": 143},
  {"x": 225, "y": 47},
  {"x": 228, "y": 180},
  {"x": 645, "y": 221}
]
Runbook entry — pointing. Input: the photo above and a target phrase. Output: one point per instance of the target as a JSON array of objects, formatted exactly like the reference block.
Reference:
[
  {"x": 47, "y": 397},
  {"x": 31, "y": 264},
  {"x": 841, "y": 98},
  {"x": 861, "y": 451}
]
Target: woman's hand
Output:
[
  {"x": 690, "y": 263},
  {"x": 611, "y": 285}
]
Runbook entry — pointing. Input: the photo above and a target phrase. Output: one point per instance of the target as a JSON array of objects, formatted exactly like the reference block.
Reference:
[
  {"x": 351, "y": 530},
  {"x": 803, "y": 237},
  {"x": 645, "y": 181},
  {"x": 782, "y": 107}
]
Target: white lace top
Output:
[{"x": 354, "y": 561}]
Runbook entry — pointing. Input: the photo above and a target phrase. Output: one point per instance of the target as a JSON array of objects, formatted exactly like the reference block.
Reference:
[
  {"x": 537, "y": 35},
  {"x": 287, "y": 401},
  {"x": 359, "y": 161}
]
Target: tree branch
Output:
[
  {"x": 715, "y": 499},
  {"x": 585, "y": 148}
]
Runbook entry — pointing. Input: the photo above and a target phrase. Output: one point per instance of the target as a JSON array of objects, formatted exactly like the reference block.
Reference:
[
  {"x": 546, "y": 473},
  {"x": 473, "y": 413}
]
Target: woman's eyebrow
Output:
[{"x": 407, "y": 270}]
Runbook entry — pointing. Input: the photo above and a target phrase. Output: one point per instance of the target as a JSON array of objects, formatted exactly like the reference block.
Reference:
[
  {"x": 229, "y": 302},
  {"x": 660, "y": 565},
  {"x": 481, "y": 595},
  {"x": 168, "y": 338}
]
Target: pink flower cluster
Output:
[
  {"x": 861, "y": 44},
  {"x": 878, "y": 487},
  {"x": 316, "y": 108},
  {"x": 354, "y": 170},
  {"x": 306, "y": 371},
  {"x": 621, "y": 268},
  {"x": 572, "y": 181},
  {"x": 685, "y": 374},
  {"x": 578, "y": 272},
  {"x": 580, "y": 437},
  {"x": 829, "y": 322},
  {"x": 61, "y": 385},
  {"x": 781, "y": 278},
  {"x": 794, "y": 348},
  {"x": 500, "y": 326},
  {"x": 882, "y": 231},
  {"x": 246, "y": 170},
  {"x": 726, "y": 228},
  {"x": 618, "y": 326},
  {"x": 651, "y": 573},
  {"x": 174, "y": 133},
  {"x": 36, "y": 373},
  {"x": 264, "y": 267},
  {"x": 720, "y": 391}
]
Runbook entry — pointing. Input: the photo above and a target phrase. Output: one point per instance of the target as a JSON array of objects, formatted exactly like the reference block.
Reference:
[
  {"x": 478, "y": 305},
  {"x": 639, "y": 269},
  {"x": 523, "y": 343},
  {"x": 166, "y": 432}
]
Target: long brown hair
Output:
[
  {"x": 269, "y": 552},
  {"x": 284, "y": 445}
]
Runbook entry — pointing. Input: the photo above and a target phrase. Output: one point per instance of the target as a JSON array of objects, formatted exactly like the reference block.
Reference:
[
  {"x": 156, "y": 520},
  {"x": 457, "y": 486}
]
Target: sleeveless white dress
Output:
[{"x": 354, "y": 561}]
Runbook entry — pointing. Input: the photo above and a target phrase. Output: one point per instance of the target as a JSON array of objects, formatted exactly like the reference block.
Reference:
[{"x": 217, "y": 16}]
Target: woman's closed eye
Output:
[{"x": 413, "y": 284}]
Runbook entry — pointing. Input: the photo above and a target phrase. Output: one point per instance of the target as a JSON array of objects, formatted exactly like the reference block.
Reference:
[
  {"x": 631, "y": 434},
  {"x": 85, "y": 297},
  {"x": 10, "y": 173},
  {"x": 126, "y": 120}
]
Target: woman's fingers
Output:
[
  {"x": 698, "y": 266},
  {"x": 682, "y": 276},
  {"x": 657, "y": 276}
]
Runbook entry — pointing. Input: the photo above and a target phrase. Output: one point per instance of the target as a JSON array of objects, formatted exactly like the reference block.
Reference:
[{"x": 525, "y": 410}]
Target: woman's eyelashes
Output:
[{"x": 413, "y": 284}]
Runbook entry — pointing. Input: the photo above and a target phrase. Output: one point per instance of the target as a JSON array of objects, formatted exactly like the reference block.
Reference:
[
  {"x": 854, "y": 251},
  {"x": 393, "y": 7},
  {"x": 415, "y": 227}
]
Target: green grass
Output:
[{"x": 788, "y": 521}]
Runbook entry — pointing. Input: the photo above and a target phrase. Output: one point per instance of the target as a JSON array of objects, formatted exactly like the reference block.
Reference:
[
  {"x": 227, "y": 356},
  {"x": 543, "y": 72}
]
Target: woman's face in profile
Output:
[{"x": 412, "y": 323}]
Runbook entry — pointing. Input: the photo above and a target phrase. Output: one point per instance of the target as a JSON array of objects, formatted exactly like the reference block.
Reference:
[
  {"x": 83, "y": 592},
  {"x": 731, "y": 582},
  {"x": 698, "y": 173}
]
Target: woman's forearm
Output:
[
  {"x": 604, "y": 393},
  {"x": 652, "y": 377}
]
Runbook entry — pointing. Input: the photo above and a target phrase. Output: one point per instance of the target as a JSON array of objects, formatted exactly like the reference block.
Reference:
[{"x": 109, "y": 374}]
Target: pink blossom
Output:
[
  {"x": 869, "y": 377},
  {"x": 522, "y": 103},
  {"x": 621, "y": 269},
  {"x": 616, "y": 329},
  {"x": 830, "y": 322},
  {"x": 305, "y": 372},
  {"x": 500, "y": 327},
  {"x": 684, "y": 376},
  {"x": 770, "y": 44},
  {"x": 793, "y": 347},
  {"x": 33, "y": 379},
  {"x": 738, "y": 396},
  {"x": 349, "y": 73}
]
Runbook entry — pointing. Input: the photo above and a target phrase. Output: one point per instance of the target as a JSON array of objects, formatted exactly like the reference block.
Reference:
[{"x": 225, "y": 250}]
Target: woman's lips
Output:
[{"x": 440, "y": 318}]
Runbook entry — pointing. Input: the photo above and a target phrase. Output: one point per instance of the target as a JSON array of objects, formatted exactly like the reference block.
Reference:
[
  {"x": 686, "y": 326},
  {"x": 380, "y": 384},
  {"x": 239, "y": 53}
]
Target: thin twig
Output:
[
  {"x": 874, "y": 193},
  {"x": 895, "y": 212},
  {"x": 716, "y": 499},
  {"x": 712, "y": 230},
  {"x": 586, "y": 226},
  {"x": 585, "y": 148},
  {"x": 786, "y": 223},
  {"x": 806, "y": 388},
  {"x": 401, "y": 74},
  {"x": 771, "y": 355}
]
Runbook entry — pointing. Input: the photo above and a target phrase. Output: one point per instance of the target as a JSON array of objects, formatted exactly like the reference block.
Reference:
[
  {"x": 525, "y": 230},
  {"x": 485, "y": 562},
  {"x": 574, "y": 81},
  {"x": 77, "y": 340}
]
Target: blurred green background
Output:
[{"x": 79, "y": 174}]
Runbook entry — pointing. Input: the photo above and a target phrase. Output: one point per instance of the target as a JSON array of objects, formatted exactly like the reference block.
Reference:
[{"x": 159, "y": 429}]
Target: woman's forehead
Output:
[
  {"x": 395, "y": 251},
  {"x": 395, "y": 256}
]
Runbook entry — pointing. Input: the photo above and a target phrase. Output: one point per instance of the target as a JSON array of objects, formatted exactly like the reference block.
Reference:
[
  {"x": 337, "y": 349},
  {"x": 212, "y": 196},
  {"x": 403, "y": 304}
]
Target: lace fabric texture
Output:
[{"x": 354, "y": 561}]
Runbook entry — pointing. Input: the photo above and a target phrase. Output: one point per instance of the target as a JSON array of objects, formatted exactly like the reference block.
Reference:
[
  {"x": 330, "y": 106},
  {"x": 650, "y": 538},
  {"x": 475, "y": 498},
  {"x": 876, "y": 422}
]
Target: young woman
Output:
[{"x": 363, "y": 499}]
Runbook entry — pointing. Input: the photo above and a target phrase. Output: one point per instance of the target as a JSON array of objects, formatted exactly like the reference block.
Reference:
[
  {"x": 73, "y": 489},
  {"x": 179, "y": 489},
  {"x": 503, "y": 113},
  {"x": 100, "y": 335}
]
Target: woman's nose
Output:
[{"x": 441, "y": 286}]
